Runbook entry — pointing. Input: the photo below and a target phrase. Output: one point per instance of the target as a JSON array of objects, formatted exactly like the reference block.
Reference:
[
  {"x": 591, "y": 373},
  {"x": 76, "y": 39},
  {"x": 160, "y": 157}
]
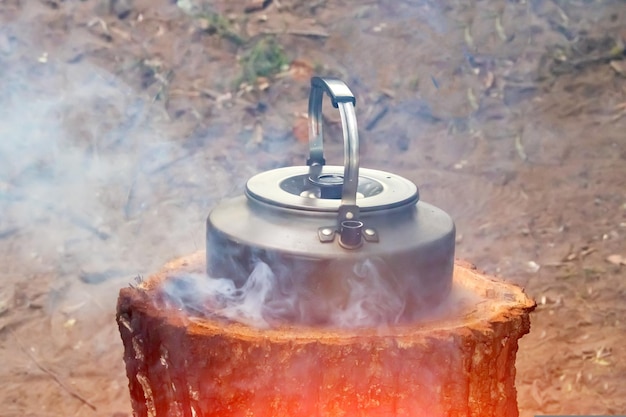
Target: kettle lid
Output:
[{"x": 291, "y": 187}]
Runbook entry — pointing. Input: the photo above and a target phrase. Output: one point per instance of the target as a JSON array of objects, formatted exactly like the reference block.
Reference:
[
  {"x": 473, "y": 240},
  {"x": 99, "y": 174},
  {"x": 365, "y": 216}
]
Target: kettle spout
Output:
[{"x": 351, "y": 234}]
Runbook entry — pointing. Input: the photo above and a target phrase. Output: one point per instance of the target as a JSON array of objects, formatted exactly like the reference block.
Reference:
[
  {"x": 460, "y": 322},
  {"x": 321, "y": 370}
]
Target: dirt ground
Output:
[{"x": 123, "y": 122}]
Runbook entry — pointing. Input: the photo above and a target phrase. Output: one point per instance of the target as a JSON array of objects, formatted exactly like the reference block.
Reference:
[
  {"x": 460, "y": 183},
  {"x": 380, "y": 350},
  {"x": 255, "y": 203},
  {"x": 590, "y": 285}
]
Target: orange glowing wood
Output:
[{"x": 457, "y": 366}]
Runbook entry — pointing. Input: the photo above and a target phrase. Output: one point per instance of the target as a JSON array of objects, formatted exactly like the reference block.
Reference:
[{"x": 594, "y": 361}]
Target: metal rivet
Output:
[
  {"x": 349, "y": 215},
  {"x": 327, "y": 232},
  {"x": 369, "y": 232}
]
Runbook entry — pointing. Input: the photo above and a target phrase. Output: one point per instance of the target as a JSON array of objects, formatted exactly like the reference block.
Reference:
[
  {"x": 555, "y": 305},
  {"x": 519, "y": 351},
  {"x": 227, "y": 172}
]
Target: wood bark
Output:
[{"x": 451, "y": 366}]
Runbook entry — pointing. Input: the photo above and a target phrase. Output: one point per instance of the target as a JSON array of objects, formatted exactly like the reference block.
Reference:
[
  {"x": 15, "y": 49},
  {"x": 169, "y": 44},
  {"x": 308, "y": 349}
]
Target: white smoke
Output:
[
  {"x": 89, "y": 178},
  {"x": 249, "y": 304},
  {"x": 96, "y": 189},
  {"x": 264, "y": 301}
]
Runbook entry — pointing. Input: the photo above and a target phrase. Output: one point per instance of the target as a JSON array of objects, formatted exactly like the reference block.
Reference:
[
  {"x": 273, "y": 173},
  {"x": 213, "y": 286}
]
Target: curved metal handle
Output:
[
  {"x": 349, "y": 226},
  {"x": 343, "y": 99}
]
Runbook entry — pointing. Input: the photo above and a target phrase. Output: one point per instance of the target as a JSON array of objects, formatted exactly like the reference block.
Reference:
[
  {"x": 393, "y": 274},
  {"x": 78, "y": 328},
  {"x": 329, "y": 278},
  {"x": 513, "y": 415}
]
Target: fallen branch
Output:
[
  {"x": 54, "y": 376},
  {"x": 312, "y": 32},
  {"x": 81, "y": 223}
]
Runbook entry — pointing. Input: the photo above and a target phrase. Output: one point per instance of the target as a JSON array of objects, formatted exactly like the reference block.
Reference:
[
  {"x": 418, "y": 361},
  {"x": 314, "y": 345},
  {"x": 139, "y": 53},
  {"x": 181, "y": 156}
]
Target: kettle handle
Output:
[{"x": 343, "y": 99}]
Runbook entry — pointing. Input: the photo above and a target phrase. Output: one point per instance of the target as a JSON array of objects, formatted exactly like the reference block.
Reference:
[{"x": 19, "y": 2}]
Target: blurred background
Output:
[{"x": 124, "y": 122}]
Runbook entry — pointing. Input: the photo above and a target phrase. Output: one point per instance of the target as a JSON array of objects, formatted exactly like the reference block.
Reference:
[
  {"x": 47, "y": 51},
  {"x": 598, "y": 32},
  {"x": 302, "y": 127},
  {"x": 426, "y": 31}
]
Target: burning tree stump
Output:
[{"x": 451, "y": 366}]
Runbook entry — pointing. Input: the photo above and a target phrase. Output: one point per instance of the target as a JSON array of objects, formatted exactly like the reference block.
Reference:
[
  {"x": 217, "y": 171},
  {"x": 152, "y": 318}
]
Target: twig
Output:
[
  {"x": 54, "y": 376},
  {"x": 130, "y": 196},
  {"x": 14, "y": 413},
  {"x": 82, "y": 223},
  {"x": 73, "y": 218},
  {"x": 377, "y": 118},
  {"x": 9, "y": 232},
  {"x": 172, "y": 162},
  {"x": 519, "y": 147},
  {"x": 312, "y": 32},
  {"x": 256, "y": 5}
]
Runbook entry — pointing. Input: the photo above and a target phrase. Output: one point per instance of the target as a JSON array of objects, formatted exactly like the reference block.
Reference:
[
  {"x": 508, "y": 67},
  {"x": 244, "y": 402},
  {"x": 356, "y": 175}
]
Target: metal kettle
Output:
[{"x": 318, "y": 227}]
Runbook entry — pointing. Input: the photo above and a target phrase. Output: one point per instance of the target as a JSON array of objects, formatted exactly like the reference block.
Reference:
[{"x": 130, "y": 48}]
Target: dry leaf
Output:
[
  {"x": 519, "y": 147},
  {"x": 570, "y": 257},
  {"x": 472, "y": 98},
  {"x": 488, "y": 80},
  {"x": 616, "y": 259},
  {"x": 262, "y": 83},
  {"x": 533, "y": 267},
  {"x": 300, "y": 70},
  {"x": 585, "y": 251},
  {"x": 301, "y": 129},
  {"x": 257, "y": 133},
  {"x": 619, "y": 67},
  {"x": 601, "y": 361}
]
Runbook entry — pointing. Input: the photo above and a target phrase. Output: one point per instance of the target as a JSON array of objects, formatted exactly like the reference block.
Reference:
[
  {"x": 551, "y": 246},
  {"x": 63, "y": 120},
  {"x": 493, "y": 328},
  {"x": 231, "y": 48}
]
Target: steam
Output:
[
  {"x": 371, "y": 300},
  {"x": 265, "y": 301}
]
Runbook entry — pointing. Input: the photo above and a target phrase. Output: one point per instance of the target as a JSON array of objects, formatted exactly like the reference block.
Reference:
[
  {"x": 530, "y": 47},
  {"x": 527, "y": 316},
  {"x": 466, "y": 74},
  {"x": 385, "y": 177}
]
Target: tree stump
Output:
[{"x": 460, "y": 365}]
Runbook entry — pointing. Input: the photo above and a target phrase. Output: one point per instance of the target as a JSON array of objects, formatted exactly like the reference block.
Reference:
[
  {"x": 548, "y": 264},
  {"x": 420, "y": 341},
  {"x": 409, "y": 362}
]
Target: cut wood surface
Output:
[{"x": 460, "y": 362}]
